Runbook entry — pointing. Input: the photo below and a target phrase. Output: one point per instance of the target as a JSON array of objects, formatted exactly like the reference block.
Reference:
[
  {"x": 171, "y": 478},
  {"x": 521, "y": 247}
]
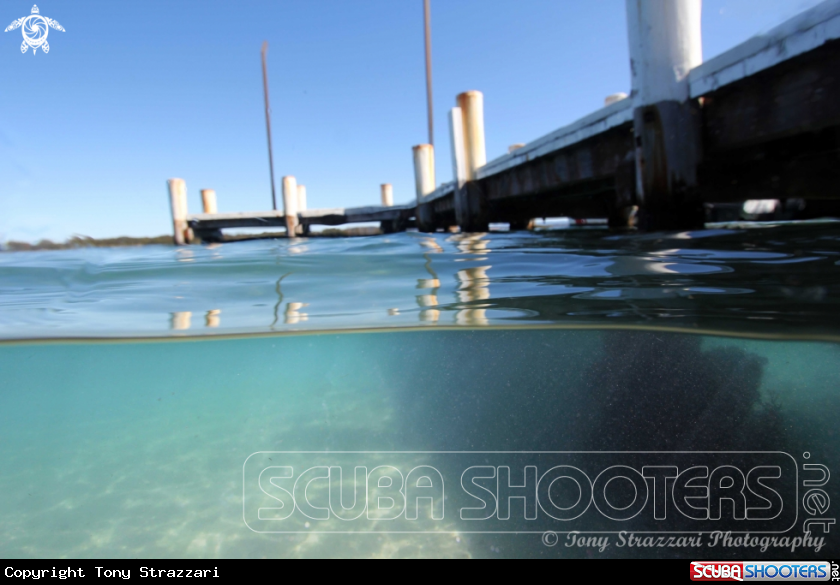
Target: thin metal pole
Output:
[
  {"x": 268, "y": 124},
  {"x": 427, "y": 21}
]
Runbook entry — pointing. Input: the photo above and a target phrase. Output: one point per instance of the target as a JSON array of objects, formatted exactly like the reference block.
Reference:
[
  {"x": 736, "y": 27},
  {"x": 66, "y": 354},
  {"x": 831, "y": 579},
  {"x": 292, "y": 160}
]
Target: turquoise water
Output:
[{"x": 136, "y": 385}]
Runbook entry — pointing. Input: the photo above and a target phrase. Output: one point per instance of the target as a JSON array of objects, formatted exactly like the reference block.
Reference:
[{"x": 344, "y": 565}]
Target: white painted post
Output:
[
  {"x": 665, "y": 45},
  {"x": 290, "y": 205},
  {"x": 424, "y": 170},
  {"x": 459, "y": 155},
  {"x": 387, "y": 193},
  {"x": 178, "y": 201},
  {"x": 472, "y": 113},
  {"x": 301, "y": 189},
  {"x": 424, "y": 181},
  {"x": 208, "y": 201}
]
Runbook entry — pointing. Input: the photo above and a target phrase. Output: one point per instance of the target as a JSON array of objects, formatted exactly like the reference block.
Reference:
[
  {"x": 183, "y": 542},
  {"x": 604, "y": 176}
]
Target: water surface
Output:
[{"x": 133, "y": 442}]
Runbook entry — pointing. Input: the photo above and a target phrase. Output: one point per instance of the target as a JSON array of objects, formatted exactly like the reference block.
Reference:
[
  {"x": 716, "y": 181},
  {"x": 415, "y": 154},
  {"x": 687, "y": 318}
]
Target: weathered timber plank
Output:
[
  {"x": 594, "y": 159},
  {"x": 615, "y": 115},
  {"x": 335, "y": 216},
  {"x": 801, "y": 34},
  {"x": 806, "y": 166},
  {"x": 796, "y": 96}
]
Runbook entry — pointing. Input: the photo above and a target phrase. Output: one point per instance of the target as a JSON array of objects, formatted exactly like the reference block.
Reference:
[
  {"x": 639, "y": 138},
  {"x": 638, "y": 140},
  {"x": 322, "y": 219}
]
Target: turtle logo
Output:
[{"x": 35, "y": 30}]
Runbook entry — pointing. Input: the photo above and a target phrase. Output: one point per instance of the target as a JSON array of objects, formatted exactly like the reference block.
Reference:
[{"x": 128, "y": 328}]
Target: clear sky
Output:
[{"x": 135, "y": 92}]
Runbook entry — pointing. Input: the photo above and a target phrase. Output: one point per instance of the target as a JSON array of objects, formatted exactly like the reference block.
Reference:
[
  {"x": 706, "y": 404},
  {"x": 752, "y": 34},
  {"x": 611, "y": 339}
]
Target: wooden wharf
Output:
[{"x": 760, "y": 121}]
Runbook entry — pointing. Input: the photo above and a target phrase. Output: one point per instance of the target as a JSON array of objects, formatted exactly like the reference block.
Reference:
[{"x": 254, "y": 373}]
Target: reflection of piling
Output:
[
  {"x": 180, "y": 321},
  {"x": 424, "y": 180},
  {"x": 474, "y": 285},
  {"x": 212, "y": 319},
  {"x": 471, "y": 317},
  {"x": 473, "y": 243},
  {"x": 430, "y": 315},
  {"x": 290, "y": 205},
  {"x": 426, "y": 302},
  {"x": 178, "y": 201},
  {"x": 293, "y": 314}
]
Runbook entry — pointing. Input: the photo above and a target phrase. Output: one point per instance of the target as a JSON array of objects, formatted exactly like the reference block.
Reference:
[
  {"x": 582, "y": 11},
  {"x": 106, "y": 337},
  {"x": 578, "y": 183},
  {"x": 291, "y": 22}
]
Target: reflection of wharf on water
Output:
[
  {"x": 761, "y": 121},
  {"x": 454, "y": 290}
]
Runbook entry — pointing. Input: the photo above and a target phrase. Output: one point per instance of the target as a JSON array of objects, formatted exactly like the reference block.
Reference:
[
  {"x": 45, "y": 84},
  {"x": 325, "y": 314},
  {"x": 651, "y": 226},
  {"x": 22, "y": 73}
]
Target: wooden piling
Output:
[
  {"x": 424, "y": 180},
  {"x": 469, "y": 199},
  {"x": 208, "y": 201},
  {"x": 290, "y": 205},
  {"x": 387, "y": 193},
  {"x": 665, "y": 44},
  {"x": 178, "y": 202}
]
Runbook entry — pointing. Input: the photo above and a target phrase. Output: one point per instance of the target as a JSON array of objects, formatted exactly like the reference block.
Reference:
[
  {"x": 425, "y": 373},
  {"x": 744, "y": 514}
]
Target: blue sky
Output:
[{"x": 136, "y": 92}]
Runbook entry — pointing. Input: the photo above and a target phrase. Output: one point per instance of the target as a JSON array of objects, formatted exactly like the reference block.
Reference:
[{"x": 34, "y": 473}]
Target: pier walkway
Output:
[{"x": 761, "y": 121}]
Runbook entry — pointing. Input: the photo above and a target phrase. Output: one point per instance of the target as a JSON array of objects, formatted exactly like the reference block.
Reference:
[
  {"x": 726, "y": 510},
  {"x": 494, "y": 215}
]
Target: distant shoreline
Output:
[{"x": 76, "y": 242}]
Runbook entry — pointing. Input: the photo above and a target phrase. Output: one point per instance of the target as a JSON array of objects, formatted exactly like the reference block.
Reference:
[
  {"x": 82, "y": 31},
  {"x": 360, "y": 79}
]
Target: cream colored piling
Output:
[
  {"x": 456, "y": 136},
  {"x": 424, "y": 181},
  {"x": 178, "y": 201},
  {"x": 472, "y": 113},
  {"x": 301, "y": 189},
  {"x": 290, "y": 205},
  {"x": 208, "y": 201},
  {"x": 470, "y": 209},
  {"x": 424, "y": 170},
  {"x": 387, "y": 194}
]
